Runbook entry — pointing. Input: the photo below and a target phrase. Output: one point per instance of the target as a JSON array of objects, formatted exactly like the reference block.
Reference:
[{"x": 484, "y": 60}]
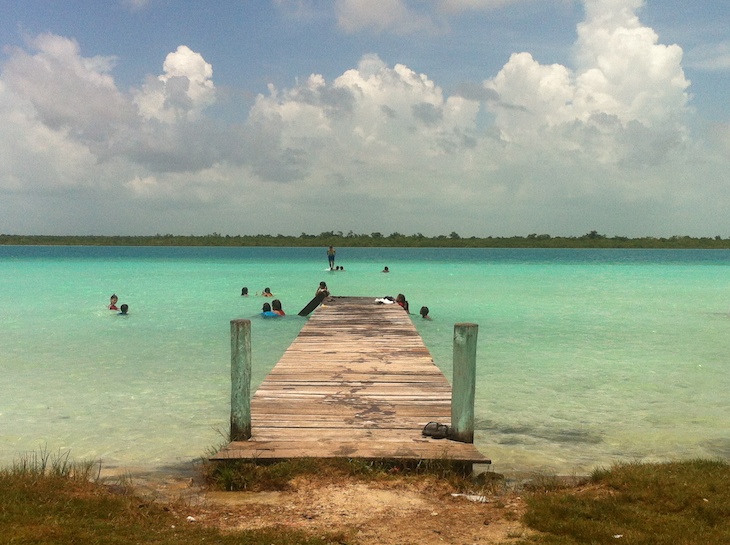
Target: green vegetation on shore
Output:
[
  {"x": 396, "y": 240},
  {"x": 50, "y": 500},
  {"x": 676, "y": 503},
  {"x": 46, "y": 499}
]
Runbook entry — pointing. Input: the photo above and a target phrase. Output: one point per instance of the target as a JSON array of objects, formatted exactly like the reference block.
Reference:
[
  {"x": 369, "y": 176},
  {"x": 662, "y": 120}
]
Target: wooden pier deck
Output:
[{"x": 357, "y": 382}]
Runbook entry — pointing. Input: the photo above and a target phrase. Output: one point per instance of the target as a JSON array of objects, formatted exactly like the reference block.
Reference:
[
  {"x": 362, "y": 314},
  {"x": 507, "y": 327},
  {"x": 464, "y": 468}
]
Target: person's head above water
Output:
[
  {"x": 424, "y": 312},
  {"x": 267, "y": 292},
  {"x": 124, "y": 308},
  {"x": 244, "y": 291},
  {"x": 266, "y": 308},
  {"x": 275, "y": 304}
]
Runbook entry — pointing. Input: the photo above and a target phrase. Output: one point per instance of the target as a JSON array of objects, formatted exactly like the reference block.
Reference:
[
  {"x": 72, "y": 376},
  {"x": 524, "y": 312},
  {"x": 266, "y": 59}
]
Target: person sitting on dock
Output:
[
  {"x": 401, "y": 300},
  {"x": 322, "y": 290},
  {"x": 276, "y": 307}
]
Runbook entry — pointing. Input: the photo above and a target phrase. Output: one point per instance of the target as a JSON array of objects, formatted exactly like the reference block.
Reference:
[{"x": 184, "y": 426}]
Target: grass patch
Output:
[
  {"x": 238, "y": 475},
  {"x": 49, "y": 499},
  {"x": 678, "y": 503}
]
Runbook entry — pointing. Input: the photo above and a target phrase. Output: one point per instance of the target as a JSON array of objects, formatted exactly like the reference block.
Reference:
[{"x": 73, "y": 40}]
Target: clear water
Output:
[{"x": 585, "y": 357}]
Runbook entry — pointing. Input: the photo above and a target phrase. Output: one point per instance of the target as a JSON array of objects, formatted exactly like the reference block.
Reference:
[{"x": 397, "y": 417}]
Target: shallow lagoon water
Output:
[{"x": 585, "y": 357}]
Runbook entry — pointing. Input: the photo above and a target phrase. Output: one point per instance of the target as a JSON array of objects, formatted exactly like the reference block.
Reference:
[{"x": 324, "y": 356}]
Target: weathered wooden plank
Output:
[{"x": 356, "y": 382}]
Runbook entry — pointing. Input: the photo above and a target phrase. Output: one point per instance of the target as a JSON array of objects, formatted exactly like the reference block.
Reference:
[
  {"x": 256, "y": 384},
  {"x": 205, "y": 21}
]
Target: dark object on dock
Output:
[{"x": 314, "y": 303}]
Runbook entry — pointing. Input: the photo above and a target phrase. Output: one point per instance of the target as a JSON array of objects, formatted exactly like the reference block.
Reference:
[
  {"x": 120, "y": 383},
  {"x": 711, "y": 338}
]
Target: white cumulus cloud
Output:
[
  {"x": 599, "y": 142},
  {"x": 622, "y": 79},
  {"x": 182, "y": 92},
  {"x": 374, "y": 115}
]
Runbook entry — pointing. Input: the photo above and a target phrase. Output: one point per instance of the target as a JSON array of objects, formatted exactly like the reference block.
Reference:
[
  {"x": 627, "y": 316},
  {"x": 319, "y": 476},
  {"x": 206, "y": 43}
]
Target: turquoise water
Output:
[{"x": 585, "y": 357}]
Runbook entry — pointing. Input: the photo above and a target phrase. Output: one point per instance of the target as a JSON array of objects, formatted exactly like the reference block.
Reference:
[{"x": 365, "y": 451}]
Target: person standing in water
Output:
[
  {"x": 331, "y": 256},
  {"x": 113, "y": 302}
]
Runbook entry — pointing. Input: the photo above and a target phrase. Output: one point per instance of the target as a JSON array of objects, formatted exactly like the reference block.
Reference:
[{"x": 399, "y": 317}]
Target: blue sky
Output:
[{"x": 484, "y": 117}]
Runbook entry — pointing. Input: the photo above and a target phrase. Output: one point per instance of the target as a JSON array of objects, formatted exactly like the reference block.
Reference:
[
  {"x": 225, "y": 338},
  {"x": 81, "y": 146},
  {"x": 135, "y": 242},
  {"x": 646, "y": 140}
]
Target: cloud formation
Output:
[
  {"x": 601, "y": 143},
  {"x": 180, "y": 94},
  {"x": 625, "y": 85}
]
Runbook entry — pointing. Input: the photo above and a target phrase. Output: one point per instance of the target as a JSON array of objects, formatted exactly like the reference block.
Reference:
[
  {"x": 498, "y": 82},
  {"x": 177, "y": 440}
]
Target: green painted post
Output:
[
  {"x": 464, "y": 383},
  {"x": 240, "y": 380}
]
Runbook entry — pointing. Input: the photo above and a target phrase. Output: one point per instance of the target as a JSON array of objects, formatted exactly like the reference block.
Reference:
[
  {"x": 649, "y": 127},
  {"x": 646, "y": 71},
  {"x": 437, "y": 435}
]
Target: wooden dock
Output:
[{"x": 357, "y": 382}]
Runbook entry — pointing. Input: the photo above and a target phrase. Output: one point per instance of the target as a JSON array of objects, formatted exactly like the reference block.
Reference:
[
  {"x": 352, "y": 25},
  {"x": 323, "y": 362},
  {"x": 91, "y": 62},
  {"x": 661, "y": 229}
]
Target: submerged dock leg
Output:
[
  {"x": 240, "y": 380},
  {"x": 464, "y": 383}
]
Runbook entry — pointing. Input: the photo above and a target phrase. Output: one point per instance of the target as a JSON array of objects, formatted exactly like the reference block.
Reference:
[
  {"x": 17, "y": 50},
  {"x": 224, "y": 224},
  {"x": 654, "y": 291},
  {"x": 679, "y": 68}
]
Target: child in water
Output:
[
  {"x": 266, "y": 312},
  {"x": 113, "y": 302}
]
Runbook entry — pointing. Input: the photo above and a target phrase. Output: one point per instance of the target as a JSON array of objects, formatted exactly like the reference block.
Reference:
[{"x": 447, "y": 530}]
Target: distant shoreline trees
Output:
[{"x": 593, "y": 239}]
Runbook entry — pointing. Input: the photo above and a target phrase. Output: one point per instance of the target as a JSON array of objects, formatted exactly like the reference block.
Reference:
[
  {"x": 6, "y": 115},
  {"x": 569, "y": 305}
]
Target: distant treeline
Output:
[{"x": 398, "y": 240}]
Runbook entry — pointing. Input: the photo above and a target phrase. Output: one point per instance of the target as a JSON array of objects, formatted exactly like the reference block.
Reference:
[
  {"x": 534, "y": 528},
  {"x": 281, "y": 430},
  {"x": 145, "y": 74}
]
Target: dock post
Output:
[
  {"x": 240, "y": 380},
  {"x": 464, "y": 383}
]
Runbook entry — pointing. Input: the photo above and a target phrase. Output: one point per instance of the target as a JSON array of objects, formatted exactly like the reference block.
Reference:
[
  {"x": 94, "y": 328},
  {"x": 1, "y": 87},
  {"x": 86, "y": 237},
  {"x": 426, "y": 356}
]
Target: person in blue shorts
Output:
[{"x": 331, "y": 256}]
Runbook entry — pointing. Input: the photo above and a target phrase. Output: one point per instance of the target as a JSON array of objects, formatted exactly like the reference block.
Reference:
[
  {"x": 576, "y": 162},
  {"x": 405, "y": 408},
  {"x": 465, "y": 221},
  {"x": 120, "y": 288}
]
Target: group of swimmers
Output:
[
  {"x": 403, "y": 302},
  {"x": 268, "y": 310},
  {"x": 265, "y": 293},
  {"x": 113, "y": 300},
  {"x": 274, "y": 309}
]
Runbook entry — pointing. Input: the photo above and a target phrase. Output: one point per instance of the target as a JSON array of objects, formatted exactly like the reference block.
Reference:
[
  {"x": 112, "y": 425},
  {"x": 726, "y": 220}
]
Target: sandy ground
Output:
[{"x": 399, "y": 512}]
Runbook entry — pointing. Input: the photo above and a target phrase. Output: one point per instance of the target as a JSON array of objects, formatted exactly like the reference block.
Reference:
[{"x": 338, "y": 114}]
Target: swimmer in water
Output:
[{"x": 276, "y": 307}]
